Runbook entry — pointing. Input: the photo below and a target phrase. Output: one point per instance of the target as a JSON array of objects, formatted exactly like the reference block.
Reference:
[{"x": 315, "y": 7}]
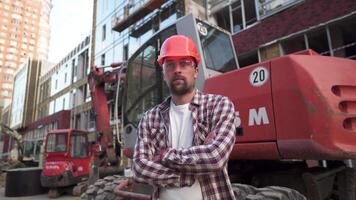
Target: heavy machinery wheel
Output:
[
  {"x": 249, "y": 192},
  {"x": 103, "y": 189}
]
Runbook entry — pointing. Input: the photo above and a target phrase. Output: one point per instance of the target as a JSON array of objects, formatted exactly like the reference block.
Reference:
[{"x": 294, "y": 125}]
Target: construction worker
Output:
[{"x": 184, "y": 143}]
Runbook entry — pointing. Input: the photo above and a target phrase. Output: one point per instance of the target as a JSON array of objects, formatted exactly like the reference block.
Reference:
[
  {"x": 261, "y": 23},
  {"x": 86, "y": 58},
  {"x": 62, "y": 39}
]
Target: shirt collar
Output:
[{"x": 196, "y": 101}]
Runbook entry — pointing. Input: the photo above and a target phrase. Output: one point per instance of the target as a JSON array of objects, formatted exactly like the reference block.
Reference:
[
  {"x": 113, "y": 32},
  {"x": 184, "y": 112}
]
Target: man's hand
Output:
[{"x": 211, "y": 137}]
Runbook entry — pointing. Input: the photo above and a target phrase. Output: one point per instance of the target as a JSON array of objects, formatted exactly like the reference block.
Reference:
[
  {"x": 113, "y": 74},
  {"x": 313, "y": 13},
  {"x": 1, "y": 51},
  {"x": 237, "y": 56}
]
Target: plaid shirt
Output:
[{"x": 180, "y": 167}]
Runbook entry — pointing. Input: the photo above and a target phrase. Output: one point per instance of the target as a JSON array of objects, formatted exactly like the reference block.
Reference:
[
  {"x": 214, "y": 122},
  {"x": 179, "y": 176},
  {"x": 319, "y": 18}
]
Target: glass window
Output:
[
  {"x": 223, "y": 18},
  {"x": 57, "y": 142},
  {"x": 269, "y": 7},
  {"x": 28, "y": 148},
  {"x": 144, "y": 77},
  {"x": 103, "y": 36},
  {"x": 213, "y": 41},
  {"x": 294, "y": 44},
  {"x": 38, "y": 145},
  {"x": 237, "y": 17},
  {"x": 318, "y": 41},
  {"x": 78, "y": 146},
  {"x": 102, "y": 59},
  {"x": 142, "y": 85},
  {"x": 250, "y": 12},
  {"x": 343, "y": 38},
  {"x": 269, "y": 52}
]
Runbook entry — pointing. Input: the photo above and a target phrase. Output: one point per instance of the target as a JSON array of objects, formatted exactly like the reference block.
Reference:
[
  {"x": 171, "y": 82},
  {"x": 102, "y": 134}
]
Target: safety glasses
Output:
[{"x": 184, "y": 63}]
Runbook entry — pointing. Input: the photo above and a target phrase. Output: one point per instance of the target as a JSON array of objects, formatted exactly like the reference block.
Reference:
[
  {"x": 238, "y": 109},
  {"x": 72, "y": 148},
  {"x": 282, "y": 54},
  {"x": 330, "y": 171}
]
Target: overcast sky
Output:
[{"x": 71, "y": 22}]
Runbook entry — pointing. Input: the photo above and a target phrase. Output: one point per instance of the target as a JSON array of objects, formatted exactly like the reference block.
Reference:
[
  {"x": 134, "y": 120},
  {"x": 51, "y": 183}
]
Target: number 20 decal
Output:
[{"x": 259, "y": 76}]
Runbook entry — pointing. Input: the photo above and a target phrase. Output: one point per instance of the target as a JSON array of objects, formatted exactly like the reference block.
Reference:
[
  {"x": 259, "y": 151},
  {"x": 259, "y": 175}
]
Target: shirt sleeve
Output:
[
  {"x": 145, "y": 168},
  {"x": 211, "y": 157}
]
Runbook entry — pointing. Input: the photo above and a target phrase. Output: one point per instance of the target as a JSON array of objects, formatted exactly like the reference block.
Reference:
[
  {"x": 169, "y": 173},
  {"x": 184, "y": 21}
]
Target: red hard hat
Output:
[{"x": 178, "y": 45}]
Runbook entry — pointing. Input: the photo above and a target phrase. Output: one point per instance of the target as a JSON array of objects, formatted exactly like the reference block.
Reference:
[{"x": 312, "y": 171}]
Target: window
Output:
[
  {"x": 214, "y": 41},
  {"x": 64, "y": 104},
  {"x": 269, "y": 7},
  {"x": 237, "y": 17},
  {"x": 146, "y": 87},
  {"x": 102, "y": 59},
  {"x": 143, "y": 92},
  {"x": 318, "y": 41},
  {"x": 103, "y": 36},
  {"x": 294, "y": 44},
  {"x": 56, "y": 84},
  {"x": 269, "y": 52},
  {"x": 78, "y": 146},
  {"x": 65, "y": 77},
  {"x": 243, "y": 14},
  {"x": 343, "y": 38},
  {"x": 15, "y": 21},
  {"x": 57, "y": 142},
  {"x": 248, "y": 59},
  {"x": 126, "y": 52}
]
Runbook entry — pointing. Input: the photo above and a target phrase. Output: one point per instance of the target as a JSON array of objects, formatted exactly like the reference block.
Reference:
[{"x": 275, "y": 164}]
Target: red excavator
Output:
[
  {"x": 296, "y": 116},
  {"x": 67, "y": 157}
]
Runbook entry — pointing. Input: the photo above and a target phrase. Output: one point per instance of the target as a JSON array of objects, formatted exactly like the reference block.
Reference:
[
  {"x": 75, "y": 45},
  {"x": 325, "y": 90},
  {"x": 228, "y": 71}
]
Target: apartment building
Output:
[{"x": 24, "y": 32}]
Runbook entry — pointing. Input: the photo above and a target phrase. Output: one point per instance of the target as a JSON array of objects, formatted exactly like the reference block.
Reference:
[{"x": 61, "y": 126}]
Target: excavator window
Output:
[
  {"x": 218, "y": 51},
  {"x": 78, "y": 146},
  {"x": 144, "y": 77},
  {"x": 57, "y": 142}
]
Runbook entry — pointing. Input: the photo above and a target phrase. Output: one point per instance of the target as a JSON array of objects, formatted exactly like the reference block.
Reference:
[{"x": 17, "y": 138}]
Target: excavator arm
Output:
[
  {"x": 16, "y": 135},
  {"x": 97, "y": 80}
]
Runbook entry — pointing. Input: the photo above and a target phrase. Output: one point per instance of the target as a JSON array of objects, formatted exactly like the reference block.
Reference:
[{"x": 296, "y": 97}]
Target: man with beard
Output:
[{"x": 184, "y": 143}]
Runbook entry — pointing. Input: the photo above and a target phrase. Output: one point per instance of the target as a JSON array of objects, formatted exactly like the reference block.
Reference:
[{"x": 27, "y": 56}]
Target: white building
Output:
[{"x": 64, "y": 87}]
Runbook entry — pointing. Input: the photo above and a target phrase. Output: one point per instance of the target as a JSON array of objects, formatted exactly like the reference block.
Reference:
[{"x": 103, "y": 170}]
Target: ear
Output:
[{"x": 196, "y": 72}]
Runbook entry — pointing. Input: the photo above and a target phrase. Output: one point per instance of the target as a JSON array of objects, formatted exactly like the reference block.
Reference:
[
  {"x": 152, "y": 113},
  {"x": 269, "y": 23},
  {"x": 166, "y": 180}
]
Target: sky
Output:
[{"x": 71, "y": 22}]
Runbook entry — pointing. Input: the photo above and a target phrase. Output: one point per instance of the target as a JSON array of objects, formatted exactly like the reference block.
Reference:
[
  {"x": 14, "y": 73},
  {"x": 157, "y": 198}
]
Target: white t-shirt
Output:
[{"x": 181, "y": 136}]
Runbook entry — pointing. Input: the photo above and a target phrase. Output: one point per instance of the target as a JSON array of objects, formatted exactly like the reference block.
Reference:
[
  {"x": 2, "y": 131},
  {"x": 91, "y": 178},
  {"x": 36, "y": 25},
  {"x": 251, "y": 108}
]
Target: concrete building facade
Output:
[
  {"x": 65, "y": 87},
  {"x": 24, "y": 32}
]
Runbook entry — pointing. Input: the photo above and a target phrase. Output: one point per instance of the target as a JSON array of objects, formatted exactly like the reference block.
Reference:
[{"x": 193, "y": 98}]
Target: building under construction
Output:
[{"x": 262, "y": 29}]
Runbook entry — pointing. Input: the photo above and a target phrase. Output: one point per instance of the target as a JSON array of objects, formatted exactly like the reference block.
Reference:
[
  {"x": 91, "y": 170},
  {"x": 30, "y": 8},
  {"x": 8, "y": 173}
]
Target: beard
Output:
[{"x": 182, "y": 87}]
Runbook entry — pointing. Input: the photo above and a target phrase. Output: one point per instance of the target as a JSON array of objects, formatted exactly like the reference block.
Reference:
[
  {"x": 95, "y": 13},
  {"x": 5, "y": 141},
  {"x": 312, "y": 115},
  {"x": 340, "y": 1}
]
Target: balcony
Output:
[
  {"x": 149, "y": 22},
  {"x": 132, "y": 12}
]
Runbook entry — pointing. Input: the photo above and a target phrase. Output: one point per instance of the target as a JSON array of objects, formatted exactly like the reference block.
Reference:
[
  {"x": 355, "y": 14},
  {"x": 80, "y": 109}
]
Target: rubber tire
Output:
[
  {"x": 103, "y": 189},
  {"x": 249, "y": 192}
]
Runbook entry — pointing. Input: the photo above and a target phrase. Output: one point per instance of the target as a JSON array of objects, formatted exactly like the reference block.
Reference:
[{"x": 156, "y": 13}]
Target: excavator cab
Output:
[
  {"x": 67, "y": 158},
  {"x": 145, "y": 87}
]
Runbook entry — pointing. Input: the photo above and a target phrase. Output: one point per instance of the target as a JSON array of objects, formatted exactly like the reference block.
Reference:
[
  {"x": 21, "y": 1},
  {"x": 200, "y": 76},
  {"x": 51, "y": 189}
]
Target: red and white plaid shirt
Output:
[{"x": 211, "y": 114}]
